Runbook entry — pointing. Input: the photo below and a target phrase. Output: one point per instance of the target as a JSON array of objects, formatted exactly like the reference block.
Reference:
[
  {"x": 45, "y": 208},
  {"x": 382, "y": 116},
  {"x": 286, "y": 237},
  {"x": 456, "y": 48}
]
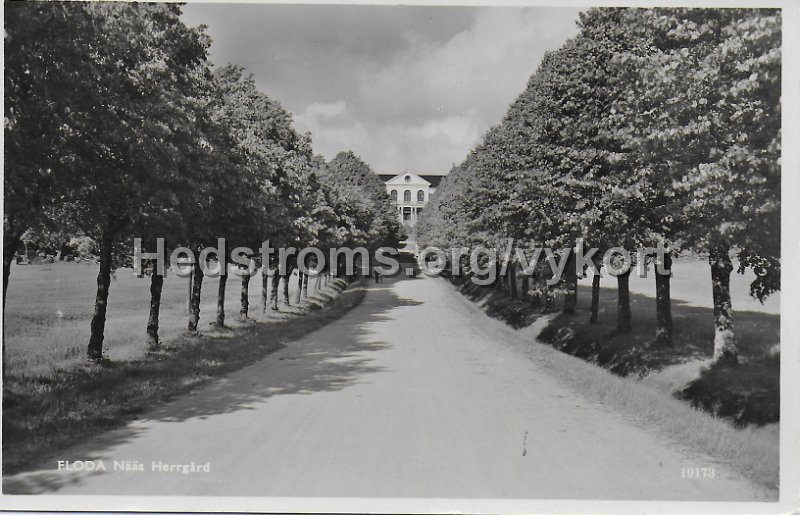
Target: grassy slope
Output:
[
  {"x": 746, "y": 393},
  {"x": 49, "y": 408}
]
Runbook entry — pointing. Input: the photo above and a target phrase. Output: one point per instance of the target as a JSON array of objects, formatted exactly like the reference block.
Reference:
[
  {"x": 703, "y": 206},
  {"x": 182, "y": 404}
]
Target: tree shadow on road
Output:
[{"x": 332, "y": 358}]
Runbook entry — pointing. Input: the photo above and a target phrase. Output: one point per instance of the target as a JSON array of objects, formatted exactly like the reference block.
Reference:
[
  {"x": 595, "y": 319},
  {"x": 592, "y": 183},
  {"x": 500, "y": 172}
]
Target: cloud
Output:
[
  {"x": 318, "y": 115},
  {"x": 331, "y": 110},
  {"x": 455, "y": 128},
  {"x": 436, "y": 100},
  {"x": 406, "y": 87}
]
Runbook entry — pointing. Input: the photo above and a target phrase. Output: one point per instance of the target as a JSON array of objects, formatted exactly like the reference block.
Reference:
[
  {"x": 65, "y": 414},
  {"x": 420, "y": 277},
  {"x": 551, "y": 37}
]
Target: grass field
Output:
[
  {"x": 53, "y": 397},
  {"x": 49, "y": 307},
  {"x": 691, "y": 283}
]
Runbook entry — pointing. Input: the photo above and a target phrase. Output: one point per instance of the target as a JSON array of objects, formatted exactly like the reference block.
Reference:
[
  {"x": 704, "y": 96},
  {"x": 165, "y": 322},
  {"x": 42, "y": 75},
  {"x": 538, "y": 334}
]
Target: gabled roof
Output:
[
  {"x": 433, "y": 180},
  {"x": 407, "y": 178}
]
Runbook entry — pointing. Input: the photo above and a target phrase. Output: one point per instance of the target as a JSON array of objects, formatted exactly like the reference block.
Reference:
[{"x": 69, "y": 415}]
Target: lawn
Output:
[
  {"x": 49, "y": 307},
  {"x": 691, "y": 283}
]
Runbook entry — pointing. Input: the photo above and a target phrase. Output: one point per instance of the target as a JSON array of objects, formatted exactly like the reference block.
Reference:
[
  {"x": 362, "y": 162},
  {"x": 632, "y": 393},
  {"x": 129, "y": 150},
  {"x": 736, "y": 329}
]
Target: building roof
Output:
[
  {"x": 434, "y": 180},
  {"x": 408, "y": 178}
]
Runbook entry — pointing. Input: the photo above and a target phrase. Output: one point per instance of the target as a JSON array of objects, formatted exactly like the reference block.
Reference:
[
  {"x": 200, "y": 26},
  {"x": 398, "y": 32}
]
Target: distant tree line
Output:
[
  {"x": 650, "y": 125},
  {"x": 117, "y": 126}
]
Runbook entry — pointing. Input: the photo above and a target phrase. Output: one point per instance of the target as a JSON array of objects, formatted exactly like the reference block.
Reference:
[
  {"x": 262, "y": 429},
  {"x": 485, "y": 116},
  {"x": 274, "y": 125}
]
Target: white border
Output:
[{"x": 790, "y": 350}]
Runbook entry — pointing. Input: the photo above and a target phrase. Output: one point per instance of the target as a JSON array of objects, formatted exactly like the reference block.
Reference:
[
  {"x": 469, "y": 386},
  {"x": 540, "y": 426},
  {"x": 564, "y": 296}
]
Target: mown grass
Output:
[
  {"x": 45, "y": 410},
  {"x": 49, "y": 307},
  {"x": 747, "y": 392}
]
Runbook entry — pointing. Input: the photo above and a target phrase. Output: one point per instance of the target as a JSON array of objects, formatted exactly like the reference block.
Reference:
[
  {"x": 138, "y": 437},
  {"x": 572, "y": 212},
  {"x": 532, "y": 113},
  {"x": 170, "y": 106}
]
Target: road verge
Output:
[{"x": 752, "y": 451}]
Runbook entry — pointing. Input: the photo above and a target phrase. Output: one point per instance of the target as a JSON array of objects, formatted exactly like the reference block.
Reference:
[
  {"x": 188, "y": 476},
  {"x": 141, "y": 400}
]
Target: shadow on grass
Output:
[
  {"x": 745, "y": 393},
  {"x": 515, "y": 312},
  {"x": 46, "y": 414}
]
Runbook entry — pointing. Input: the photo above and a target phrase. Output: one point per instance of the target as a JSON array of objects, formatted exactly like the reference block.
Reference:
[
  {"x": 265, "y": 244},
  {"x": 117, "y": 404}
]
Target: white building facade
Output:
[{"x": 410, "y": 193}]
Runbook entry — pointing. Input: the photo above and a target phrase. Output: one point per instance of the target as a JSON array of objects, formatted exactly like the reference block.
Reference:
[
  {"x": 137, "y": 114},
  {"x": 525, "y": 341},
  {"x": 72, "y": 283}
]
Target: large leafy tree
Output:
[
  {"x": 247, "y": 201},
  {"x": 650, "y": 126},
  {"x": 45, "y": 75},
  {"x": 381, "y": 227},
  {"x": 709, "y": 118},
  {"x": 108, "y": 85}
]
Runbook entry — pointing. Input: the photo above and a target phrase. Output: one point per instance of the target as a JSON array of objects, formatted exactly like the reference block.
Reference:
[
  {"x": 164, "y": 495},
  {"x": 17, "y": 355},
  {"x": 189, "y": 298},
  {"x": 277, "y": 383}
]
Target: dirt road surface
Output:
[{"x": 414, "y": 393}]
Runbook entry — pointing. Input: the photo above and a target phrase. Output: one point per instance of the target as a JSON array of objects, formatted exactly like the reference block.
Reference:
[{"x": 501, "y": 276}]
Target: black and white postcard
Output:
[{"x": 526, "y": 257}]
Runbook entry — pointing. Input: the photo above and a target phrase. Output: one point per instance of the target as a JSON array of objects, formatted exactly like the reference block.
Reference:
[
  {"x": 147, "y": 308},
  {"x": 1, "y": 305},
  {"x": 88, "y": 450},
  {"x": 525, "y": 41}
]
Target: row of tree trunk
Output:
[
  {"x": 195, "y": 284},
  {"x": 270, "y": 281},
  {"x": 721, "y": 268},
  {"x": 536, "y": 289}
]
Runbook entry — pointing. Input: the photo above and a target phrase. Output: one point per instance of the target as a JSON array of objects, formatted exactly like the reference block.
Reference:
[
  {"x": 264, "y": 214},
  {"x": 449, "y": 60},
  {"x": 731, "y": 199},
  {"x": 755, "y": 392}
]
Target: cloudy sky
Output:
[{"x": 406, "y": 87}]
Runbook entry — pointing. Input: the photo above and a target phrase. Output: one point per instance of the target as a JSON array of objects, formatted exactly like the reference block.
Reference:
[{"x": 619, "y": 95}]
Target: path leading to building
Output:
[{"x": 413, "y": 393}]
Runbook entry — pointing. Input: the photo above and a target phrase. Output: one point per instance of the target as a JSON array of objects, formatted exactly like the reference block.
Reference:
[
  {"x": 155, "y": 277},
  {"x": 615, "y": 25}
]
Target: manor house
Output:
[{"x": 410, "y": 194}]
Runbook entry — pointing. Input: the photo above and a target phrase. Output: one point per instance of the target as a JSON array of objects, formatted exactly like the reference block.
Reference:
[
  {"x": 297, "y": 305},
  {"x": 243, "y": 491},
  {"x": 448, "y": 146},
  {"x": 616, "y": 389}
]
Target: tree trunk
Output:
[
  {"x": 275, "y": 281},
  {"x": 264, "y": 289},
  {"x": 286, "y": 285},
  {"x": 98, "y": 325},
  {"x": 10, "y": 246},
  {"x": 571, "y": 283},
  {"x": 549, "y": 298},
  {"x": 623, "y": 303},
  {"x": 156, "y": 285},
  {"x": 243, "y": 312},
  {"x": 664, "y": 303},
  {"x": 595, "y": 298},
  {"x": 525, "y": 286},
  {"x": 189, "y": 296},
  {"x": 499, "y": 278},
  {"x": 534, "y": 289},
  {"x": 223, "y": 283},
  {"x": 724, "y": 336},
  {"x": 194, "y": 307},
  {"x": 299, "y": 294},
  {"x": 512, "y": 280}
]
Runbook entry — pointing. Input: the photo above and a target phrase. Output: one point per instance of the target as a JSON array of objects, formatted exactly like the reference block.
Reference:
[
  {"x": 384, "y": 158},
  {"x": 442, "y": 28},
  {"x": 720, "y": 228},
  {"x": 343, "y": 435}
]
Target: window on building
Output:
[
  {"x": 420, "y": 196},
  {"x": 394, "y": 195},
  {"x": 406, "y": 214},
  {"x": 407, "y": 196}
]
